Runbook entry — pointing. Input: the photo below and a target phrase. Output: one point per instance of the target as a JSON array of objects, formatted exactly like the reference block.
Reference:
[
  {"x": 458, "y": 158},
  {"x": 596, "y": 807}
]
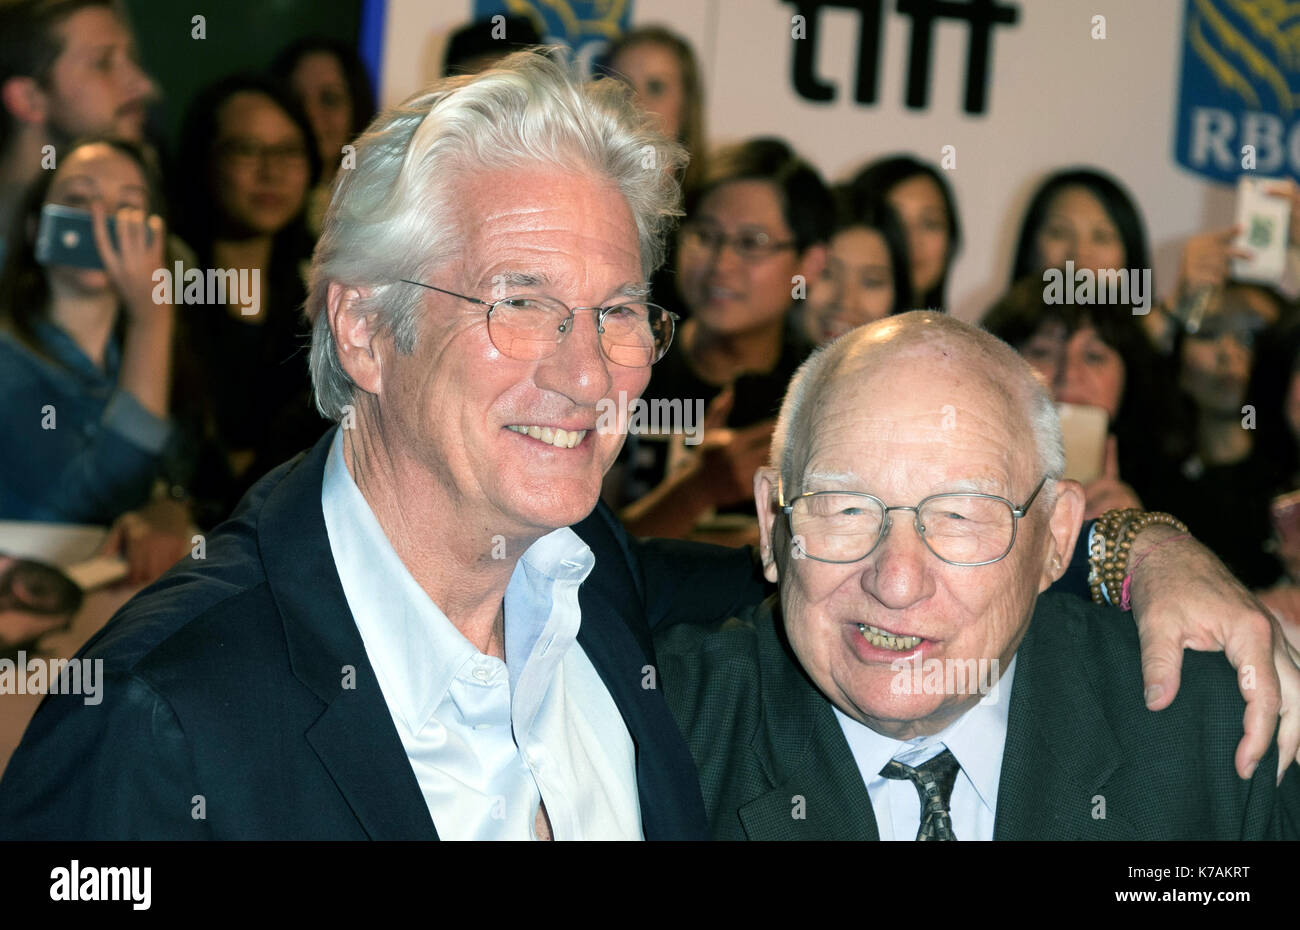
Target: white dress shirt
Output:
[
  {"x": 486, "y": 739},
  {"x": 976, "y": 739}
]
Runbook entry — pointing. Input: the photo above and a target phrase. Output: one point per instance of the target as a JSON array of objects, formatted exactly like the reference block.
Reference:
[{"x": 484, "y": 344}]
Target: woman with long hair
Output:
[
  {"x": 249, "y": 158},
  {"x": 86, "y": 362},
  {"x": 923, "y": 200}
]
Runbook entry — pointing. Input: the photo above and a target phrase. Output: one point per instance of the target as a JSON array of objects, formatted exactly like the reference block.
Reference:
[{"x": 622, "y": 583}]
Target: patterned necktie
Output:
[{"x": 933, "y": 780}]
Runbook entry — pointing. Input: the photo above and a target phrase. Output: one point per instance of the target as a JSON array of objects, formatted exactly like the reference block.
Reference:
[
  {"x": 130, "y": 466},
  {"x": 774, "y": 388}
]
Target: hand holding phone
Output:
[
  {"x": 1264, "y": 219},
  {"x": 130, "y": 263}
]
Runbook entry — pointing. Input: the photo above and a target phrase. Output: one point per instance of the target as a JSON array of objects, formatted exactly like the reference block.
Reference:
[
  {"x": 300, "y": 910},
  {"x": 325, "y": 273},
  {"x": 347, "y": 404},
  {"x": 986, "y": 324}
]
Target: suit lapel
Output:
[
  {"x": 818, "y": 792},
  {"x": 667, "y": 786},
  {"x": 354, "y": 738},
  {"x": 1060, "y": 750}
]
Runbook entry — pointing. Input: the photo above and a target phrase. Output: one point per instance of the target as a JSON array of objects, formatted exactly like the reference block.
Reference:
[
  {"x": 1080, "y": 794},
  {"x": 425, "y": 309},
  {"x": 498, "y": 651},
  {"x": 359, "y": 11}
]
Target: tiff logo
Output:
[{"x": 981, "y": 16}]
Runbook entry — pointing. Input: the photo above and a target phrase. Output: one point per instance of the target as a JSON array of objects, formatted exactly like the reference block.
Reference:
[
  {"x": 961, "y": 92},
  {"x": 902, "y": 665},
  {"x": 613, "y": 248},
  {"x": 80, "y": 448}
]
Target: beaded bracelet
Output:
[{"x": 1108, "y": 561}]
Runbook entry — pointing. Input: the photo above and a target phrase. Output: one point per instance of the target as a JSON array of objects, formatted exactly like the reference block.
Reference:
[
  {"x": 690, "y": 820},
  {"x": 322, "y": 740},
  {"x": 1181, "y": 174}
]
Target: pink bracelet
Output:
[{"x": 1124, "y": 602}]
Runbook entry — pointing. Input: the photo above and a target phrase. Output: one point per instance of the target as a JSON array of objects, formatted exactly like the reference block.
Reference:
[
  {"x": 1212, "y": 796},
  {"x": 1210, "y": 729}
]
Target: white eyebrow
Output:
[
  {"x": 847, "y": 480},
  {"x": 831, "y": 477}
]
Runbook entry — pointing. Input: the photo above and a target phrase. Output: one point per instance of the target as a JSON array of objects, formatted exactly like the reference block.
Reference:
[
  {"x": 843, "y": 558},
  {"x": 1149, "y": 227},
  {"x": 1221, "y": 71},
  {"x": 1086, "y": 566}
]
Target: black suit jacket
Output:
[
  {"x": 225, "y": 714},
  {"x": 1080, "y": 742}
]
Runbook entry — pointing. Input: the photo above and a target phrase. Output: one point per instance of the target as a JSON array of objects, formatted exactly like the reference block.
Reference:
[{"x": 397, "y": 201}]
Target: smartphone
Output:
[
  {"x": 1084, "y": 430},
  {"x": 1264, "y": 220},
  {"x": 66, "y": 236}
]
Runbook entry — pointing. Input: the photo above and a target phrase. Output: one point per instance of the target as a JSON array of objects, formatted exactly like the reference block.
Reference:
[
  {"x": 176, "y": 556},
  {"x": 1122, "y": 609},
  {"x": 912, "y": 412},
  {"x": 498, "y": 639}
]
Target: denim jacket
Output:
[{"x": 74, "y": 447}]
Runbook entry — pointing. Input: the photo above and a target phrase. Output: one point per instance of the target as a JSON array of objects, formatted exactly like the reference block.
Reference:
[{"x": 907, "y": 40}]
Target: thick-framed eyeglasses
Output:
[
  {"x": 634, "y": 334},
  {"x": 750, "y": 245},
  {"x": 958, "y": 528}
]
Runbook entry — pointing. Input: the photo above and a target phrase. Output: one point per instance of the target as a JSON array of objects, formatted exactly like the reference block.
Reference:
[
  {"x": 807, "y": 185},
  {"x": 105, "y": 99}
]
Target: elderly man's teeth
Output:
[
  {"x": 560, "y": 438},
  {"x": 882, "y": 640}
]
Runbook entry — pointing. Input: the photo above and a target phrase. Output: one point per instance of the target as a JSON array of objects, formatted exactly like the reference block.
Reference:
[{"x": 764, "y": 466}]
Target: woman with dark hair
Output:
[
  {"x": 866, "y": 276},
  {"x": 1098, "y": 357},
  {"x": 330, "y": 83},
  {"x": 758, "y": 223},
  {"x": 1224, "y": 483},
  {"x": 249, "y": 161},
  {"x": 920, "y": 195},
  {"x": 86, "y": 362},
  {"x": 1083, "y": 216}
]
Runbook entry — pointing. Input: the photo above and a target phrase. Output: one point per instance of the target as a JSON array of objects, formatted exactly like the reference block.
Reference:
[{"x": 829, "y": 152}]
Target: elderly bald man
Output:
[{"x": 909, "y": 681}]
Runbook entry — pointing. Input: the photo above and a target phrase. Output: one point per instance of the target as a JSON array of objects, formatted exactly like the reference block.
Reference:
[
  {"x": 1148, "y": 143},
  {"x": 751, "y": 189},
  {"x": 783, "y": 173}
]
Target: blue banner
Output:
[
  {"x": 586, "y": 26},
  {"x": 1239, "y": 94}
]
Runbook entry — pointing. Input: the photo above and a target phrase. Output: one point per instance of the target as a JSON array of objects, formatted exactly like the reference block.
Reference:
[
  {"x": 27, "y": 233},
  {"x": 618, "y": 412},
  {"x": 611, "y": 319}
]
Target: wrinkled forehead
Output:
[{"x": 927, "y": 420}]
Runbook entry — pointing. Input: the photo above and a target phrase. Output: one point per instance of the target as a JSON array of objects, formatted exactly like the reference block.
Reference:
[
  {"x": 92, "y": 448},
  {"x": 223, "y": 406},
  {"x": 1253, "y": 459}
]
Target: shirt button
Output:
[{"x": 482, "y": 674}]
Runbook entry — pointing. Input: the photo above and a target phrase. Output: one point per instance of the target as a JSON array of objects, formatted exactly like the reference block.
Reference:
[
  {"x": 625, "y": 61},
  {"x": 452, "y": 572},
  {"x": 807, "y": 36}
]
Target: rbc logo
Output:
[{"x": 1240, "y": 86}]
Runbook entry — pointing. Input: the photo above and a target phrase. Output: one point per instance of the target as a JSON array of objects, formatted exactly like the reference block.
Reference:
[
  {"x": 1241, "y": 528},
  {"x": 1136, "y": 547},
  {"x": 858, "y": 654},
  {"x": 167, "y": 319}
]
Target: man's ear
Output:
[
  {"x": 356, "y": 336},
  {"x": 1063, "y": 528},
  {"x": 23, "y": 98},
  {"x": 765, "y": 481}
]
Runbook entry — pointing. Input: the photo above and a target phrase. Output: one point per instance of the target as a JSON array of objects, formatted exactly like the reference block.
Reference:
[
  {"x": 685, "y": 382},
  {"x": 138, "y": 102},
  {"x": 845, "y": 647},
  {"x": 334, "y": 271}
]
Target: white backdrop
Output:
[{"x": 1056, "y": 97}]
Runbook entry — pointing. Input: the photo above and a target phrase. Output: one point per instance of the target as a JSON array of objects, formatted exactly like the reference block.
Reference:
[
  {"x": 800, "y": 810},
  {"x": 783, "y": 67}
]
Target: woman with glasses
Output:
[
  {"x": 247, "y": 160},
  {"x": 753, "y": 238}
]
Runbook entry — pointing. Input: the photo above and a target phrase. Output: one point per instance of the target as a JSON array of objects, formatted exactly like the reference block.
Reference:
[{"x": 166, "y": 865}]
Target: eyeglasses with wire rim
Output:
[
  {"x": 842, "y": 527},
  {"x": 528, "y": 327}
]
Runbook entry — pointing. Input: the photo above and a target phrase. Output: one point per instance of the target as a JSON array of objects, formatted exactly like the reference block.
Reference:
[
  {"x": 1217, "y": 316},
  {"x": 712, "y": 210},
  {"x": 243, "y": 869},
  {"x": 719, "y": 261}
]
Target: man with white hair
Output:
[
  {"x": 420, "y": 628},
  {"x": 896, "y": 688}
]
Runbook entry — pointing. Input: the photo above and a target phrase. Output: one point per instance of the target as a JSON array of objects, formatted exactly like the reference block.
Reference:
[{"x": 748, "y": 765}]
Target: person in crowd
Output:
[
  {"x": 330, "y": 83},
  {"x": 1083, "y": 216},
  {"x": 477, "y": 46},
  {"x": 68, "y": 68},
  {"x": 753, "y": 230},
  {"x": 662, "y": 70},
  {"x": 1221, "y": 487},
  {"x": 1205, "y": 269},
  {"x": 1099, "y": 356},
  {"x": 250, "y": 159},
  {"x": 922, "y": 198},
  {"x": 86, "y": 365},
  {"x": 1275, "y": 391},
  {"x": 660, "y": 66},
  {"x": 825, "y": 699},
  {"x": 866, "y": 276},
  {"x": 425, "y": 627}
]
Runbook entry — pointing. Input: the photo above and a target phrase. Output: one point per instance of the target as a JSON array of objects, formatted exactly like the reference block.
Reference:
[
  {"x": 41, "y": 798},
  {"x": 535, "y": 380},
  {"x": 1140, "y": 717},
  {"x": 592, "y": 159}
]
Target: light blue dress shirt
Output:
[
  {"x": 976, "y": 739},
  {"x": 489, "y": 740}
]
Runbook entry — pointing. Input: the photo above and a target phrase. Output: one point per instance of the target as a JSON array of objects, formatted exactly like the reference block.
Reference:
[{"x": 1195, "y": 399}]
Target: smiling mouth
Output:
[
  {"x": 882, "y": 640},
  {"x": 560, "y": 438}
]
